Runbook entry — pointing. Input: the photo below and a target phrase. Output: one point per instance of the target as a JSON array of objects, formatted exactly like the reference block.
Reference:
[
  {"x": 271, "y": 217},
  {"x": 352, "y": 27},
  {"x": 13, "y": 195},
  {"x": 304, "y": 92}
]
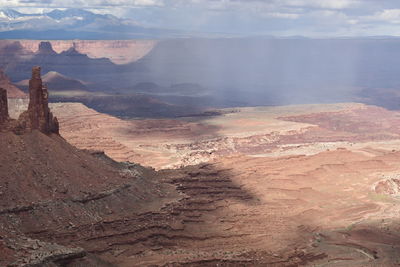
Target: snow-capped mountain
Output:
[
  {"x": 72, "y": 24},
  {"x": 9, "y": 14},
  {"x": 72, "y": 13},
  {"x": 13, "y": 16}
]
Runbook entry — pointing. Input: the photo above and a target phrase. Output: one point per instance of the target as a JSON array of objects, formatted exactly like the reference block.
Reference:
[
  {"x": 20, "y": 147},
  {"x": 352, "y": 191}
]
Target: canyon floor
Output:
[
  {"x": 312, "y": 185},
  {"x": 254, "y": 132}
]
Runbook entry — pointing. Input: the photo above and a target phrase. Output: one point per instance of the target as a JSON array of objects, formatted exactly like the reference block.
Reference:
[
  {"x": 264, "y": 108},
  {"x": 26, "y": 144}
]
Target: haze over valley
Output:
[{"x": 197, "y": 74}]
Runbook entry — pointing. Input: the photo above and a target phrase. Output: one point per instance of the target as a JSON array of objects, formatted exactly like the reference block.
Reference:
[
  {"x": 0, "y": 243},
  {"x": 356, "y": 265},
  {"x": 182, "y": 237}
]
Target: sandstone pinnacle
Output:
[{"x": 38, "y": 116}]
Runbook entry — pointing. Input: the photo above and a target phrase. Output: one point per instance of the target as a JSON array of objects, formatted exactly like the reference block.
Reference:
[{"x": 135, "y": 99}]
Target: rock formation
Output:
[
  {"x": 46, "y": 48},
  {"x": 38, "y": 116},
  {"x": 39, "y": 113},
  {"x": 3, "y": 106}
]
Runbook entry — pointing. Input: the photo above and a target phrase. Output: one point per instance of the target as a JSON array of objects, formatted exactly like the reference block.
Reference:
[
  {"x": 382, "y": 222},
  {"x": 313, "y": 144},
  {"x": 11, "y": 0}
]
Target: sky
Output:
[{"x": 309, "y": 18}]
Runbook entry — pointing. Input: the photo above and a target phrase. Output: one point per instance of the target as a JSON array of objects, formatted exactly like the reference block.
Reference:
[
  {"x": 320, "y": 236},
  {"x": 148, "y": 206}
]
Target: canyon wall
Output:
[{"x": 118, "y": 51}]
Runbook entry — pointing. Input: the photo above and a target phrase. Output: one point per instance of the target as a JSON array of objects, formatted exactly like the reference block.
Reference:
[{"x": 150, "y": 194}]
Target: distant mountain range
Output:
[{"x": 74, "y": 24}]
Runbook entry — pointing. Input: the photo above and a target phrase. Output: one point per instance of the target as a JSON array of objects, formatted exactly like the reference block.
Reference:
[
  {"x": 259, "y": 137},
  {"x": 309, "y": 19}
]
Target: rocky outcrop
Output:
[
  {"x": 38, "y": 115},
  {"x": 3, "y": 106}
]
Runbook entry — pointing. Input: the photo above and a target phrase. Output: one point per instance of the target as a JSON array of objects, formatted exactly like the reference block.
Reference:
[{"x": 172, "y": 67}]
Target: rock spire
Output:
[{"x": 38, "y": 115}]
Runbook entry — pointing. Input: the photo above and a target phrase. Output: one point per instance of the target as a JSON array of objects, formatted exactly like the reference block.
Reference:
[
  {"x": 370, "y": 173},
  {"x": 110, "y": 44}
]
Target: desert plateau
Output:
[{"x": 165, "y": 133}]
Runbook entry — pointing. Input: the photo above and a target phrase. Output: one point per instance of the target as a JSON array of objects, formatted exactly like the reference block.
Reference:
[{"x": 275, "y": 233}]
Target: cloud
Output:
[
  {"x": 387, "y": 15},
  {"x": 273, "y": 4},
  {"x": 336, "y": 4},
  {"x": 283, "y": 15},
  {"x": 81, "y": 3},
  {"x": 272, "y": 17}
]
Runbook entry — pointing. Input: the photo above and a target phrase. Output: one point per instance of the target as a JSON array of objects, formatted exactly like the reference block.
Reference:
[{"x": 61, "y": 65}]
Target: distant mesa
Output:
[
  {"x": 118, "y": 51},
  {"x": 38, "y": 115},
  {"x": 45, "y": 48}
]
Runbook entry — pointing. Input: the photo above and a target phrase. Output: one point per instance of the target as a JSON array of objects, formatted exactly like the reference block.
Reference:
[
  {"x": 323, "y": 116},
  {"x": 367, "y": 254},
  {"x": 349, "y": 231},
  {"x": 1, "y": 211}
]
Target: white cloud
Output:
[
  {"x": 79, "y": 3},
  {"x": 387, "y": 15},
  {"x": 324, "y": 4},
  {"x": 280, "y": 15}
]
